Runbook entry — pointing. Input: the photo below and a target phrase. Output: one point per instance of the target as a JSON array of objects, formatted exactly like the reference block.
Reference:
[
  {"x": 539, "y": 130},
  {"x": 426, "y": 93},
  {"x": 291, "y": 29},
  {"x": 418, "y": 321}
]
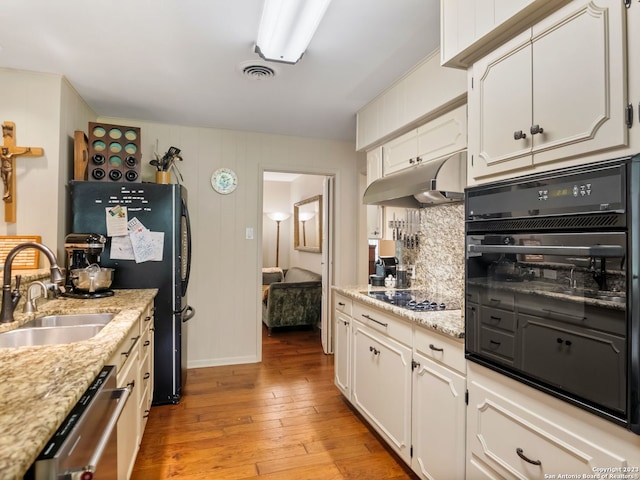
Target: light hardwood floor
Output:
[{"x": 280, "y": 419}]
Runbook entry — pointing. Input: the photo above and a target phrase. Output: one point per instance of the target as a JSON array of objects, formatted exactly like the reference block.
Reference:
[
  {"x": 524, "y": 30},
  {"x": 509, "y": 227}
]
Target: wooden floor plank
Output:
[{"x": 279, "y": 419}]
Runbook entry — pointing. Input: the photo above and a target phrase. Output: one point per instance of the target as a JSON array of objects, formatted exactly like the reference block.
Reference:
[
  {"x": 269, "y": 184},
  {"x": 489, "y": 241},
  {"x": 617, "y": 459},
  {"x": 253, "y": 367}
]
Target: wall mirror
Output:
[{"x": 307, "y": 225}]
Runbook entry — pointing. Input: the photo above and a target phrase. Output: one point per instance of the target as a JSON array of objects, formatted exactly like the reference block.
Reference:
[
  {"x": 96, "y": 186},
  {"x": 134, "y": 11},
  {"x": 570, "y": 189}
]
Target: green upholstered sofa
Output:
[{"x": 294, "y": 301}]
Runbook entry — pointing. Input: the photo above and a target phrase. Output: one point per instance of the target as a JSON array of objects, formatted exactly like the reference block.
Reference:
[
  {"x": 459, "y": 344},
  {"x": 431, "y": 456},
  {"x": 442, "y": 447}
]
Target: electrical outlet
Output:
[{"x": 249, "y": 233}]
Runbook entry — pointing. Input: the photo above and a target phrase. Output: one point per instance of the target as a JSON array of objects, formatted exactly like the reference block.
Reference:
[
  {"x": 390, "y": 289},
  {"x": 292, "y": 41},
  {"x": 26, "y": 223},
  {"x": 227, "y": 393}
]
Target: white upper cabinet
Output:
[
  {"x": 471, "y": 28},
  {"x": 554, "y": 92},
  {"x": 424, "y": 93},
  {"x": 445, "y": 135}
]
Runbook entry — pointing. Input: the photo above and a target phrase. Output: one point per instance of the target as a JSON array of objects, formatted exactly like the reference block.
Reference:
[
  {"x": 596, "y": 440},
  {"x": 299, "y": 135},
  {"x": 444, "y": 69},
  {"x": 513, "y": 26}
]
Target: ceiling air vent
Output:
[{"x": 258, "y": 72}]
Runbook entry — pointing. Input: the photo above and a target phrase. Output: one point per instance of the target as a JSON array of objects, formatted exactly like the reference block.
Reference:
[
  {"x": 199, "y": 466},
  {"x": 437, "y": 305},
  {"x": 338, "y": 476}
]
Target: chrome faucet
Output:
[
  {"x": 10, "y": 299},
  {"x": 30, "y": 305}
]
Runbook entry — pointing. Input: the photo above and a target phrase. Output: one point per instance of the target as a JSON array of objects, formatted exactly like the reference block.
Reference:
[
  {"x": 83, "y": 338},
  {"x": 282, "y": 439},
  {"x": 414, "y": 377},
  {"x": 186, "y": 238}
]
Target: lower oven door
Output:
[
  {"x": 85, "y": 446},
  {"x": 551, "y": 310}
]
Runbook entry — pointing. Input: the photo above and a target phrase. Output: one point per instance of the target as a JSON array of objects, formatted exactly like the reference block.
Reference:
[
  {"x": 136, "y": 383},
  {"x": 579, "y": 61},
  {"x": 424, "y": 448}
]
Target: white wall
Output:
[
  {"x": 46, "y": 111},
  {"x": 226, "y": 271}
]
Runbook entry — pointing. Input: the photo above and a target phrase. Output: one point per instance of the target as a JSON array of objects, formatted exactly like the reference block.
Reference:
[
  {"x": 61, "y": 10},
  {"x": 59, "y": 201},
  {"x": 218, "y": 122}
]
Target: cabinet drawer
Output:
[
  {"x": 502, "y": 434},
  {"x": 497, "y": 318},
  {"x": 123, "y": 352},
  {"x": 396, "y": 328},
  {"x": 446, "y": 350},
  {"x": 342, "y": 304},
  {"x": 495, "y": 343}
]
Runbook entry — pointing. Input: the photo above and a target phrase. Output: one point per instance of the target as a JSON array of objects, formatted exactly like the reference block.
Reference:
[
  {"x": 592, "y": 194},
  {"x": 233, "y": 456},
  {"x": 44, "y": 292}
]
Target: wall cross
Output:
[{"x": 8, "y": 153}]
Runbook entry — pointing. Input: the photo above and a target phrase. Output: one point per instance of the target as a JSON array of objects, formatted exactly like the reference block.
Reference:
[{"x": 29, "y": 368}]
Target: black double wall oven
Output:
[{"x": 552, "y": 298}]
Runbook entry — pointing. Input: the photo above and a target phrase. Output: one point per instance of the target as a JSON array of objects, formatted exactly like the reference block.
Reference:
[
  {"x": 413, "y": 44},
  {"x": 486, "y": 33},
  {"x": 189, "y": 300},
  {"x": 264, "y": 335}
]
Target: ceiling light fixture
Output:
[{"x": 286, "y": 28}]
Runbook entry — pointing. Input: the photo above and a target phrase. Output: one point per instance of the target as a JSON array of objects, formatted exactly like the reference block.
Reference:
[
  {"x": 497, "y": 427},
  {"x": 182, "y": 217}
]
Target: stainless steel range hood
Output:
[{"x": 435, "y": 182}]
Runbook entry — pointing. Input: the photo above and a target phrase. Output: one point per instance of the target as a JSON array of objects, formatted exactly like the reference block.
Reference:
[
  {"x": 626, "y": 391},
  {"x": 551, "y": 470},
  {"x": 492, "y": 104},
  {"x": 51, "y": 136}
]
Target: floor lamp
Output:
[{"x": 278, "y": 217}]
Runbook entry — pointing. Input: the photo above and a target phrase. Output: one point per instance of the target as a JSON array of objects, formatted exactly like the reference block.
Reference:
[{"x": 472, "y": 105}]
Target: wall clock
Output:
[{"x": 224, "y": 180}]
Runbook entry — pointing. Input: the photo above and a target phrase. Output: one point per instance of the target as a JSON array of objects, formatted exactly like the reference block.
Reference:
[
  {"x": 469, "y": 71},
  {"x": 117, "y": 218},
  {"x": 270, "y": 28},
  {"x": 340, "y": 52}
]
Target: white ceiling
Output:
[{"x": 180, "y": 61}]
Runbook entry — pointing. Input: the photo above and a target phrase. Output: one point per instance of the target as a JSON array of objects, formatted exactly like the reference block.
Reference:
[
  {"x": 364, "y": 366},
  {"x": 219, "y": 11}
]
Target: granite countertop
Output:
[
  {"x": 40, "y": 385},
  {"x": 446, "y": 322}
]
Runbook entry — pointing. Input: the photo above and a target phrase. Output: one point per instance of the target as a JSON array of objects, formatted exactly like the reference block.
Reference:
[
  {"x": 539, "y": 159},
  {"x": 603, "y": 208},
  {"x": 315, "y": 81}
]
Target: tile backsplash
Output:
[{"x": 439, "y": 256}]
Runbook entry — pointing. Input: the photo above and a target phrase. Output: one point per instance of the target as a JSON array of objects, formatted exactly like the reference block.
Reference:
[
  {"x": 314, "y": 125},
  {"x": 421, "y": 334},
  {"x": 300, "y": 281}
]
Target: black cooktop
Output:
[{"x": 408, "y": 299}]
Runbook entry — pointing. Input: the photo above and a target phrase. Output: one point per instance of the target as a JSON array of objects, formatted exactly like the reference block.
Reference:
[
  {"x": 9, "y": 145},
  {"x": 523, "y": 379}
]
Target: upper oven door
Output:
[{"x": 552, "y": 308}]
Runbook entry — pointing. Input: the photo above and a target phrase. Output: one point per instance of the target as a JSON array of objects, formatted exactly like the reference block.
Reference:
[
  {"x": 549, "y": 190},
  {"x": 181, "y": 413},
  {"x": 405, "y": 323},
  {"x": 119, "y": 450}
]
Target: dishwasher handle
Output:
[{"x": 79, "y": 473}]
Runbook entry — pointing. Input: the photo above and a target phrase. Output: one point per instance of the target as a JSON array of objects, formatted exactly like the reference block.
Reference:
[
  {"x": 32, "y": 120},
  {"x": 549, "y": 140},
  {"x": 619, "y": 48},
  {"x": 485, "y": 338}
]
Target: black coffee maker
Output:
[{"x": 83, "y": 249}]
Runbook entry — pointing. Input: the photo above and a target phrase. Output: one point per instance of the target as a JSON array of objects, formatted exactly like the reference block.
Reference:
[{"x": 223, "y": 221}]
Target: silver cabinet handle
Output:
[{"x": 374, "y": 320}]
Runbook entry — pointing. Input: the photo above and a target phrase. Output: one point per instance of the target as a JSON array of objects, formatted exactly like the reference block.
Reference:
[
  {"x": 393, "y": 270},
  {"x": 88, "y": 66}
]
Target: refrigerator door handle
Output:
[
  {"x": 189, "y": 312},
  {"x": 185, "y": 214}
]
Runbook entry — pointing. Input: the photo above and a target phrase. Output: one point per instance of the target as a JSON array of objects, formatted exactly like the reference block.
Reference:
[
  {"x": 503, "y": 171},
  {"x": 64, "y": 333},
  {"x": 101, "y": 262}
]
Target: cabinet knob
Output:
[
  {"x": 536, "y": 129},
  {"x": 412, "y": 161},
  {"x": 419, "y": 159},
  {"x": 519, "y": 135}
]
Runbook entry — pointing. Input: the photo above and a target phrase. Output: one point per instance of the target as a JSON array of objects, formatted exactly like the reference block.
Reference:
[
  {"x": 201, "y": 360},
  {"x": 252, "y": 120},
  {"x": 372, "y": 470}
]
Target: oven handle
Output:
[
  {"x": 104, "y": 438},
  {"x": 593, "y": 251}
]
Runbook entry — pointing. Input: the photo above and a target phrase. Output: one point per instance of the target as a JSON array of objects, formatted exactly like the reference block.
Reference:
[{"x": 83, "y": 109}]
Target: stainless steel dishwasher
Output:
[{"x": 85, "y": 446}]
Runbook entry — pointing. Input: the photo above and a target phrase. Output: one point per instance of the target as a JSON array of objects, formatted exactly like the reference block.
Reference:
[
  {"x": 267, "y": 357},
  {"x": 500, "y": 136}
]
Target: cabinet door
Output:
[
  {"x": 579, "y": 80},
  {"x": 399, "y": 153},
  {"x": 342, "y": 353},
  {"x": 146, "y": 374},
  {"x": 445, "y": 135},
  {"x": 439, "y": 412},
  {"x": 500, "y": 109},
  {"x": 128, "y": 423},
  {"x": 381, "y": 386}
]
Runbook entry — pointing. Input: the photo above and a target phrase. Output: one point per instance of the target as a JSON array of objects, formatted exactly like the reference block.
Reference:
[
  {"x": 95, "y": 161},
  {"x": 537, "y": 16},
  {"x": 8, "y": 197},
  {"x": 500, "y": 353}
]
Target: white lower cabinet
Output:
[
  {"x": 381, "y": 388},
  {"x": 342, "y": 351},
  {"x": 408, "y": 383},
  {"x": 514, "y": 431},
  {"x": 438, "y": 407},
  {"x": 134, "y": 361}
]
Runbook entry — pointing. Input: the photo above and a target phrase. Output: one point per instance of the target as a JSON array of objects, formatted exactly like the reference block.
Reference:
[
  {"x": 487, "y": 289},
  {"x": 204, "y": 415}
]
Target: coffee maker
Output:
[
  {"x": 386, "y": 266},
  {"x": 83, "y": 249}
]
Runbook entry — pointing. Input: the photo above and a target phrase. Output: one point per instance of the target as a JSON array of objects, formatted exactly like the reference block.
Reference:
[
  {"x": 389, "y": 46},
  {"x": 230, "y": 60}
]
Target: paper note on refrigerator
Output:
[
  {"x": 147, "y": 246},
  {"x": 116, "y": 218},
  {"x": 121, "y": 248}
]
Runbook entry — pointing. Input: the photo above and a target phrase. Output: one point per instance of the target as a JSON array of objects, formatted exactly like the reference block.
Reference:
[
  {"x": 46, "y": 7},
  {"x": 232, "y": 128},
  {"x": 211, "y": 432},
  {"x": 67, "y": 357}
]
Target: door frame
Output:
[{"x": 328, "y": 251}]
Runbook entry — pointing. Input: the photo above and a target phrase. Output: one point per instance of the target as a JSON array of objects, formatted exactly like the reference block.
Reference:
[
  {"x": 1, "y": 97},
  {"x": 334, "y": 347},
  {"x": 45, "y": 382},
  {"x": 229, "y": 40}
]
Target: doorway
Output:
[{"x": 286, "y": 196}]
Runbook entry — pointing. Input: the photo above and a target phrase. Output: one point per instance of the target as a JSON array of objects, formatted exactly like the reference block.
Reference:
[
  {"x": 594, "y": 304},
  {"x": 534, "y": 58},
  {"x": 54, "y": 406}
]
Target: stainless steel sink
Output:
[
  {"x": 70, "y": 320},
  {"x": 56, "y": 330},
  {"x": 26, "y": 337}
]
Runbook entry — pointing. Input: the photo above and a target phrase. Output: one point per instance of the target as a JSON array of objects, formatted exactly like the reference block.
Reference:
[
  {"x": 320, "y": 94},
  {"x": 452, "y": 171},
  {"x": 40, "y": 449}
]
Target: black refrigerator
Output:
[{"x": 160, "y": 208}]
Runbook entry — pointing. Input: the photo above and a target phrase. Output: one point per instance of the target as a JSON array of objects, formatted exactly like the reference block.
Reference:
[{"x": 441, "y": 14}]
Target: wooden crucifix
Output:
[{"x": 8, "y": 153}]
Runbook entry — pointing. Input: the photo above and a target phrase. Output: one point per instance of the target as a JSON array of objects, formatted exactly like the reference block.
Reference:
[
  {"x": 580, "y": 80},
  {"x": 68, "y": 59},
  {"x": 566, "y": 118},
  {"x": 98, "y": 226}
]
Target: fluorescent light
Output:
[{"x": 286, "y": 28}]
